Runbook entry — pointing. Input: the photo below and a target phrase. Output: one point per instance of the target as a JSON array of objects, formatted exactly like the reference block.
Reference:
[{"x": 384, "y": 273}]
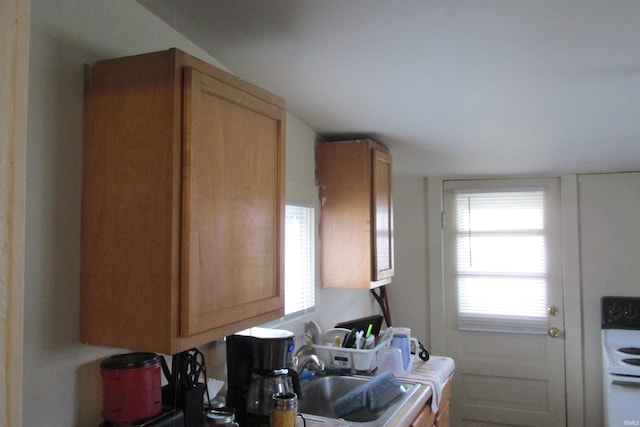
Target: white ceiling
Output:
[{"x": 452, "y": 87}]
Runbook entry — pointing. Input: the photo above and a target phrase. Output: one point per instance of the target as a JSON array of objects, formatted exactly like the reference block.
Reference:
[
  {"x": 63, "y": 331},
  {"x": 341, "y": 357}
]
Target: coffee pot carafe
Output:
[{"x": 262, "y": 388}]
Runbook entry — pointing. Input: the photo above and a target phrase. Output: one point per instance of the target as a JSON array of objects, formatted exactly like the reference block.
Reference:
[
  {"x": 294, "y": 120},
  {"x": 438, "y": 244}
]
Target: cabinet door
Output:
[
  {"x": 425, "y": 418},
  {"x": 382, "y": 207},
  {"x": 444, "y": 416},
  {"x": 232, "y": 205}
]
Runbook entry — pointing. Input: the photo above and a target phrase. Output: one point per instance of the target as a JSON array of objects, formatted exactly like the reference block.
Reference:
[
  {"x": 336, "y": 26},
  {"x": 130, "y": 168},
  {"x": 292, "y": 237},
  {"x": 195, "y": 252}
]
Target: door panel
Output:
[
  {"x": 383, "y": 211},
  {"x": 231, "y": 260},
  {"x": 507, "y": 378}
]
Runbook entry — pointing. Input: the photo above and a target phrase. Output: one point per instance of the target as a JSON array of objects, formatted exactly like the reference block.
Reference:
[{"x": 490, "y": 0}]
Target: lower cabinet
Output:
[
  {"x": 426, "y": 417},
  {"x": 443, "y": 418}
]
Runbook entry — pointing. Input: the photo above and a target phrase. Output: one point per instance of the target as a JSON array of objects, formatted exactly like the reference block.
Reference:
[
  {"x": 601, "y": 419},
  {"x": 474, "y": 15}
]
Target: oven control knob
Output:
[
  {"x": 614, "y": 311},
  {"x": 630, "y": 312}
]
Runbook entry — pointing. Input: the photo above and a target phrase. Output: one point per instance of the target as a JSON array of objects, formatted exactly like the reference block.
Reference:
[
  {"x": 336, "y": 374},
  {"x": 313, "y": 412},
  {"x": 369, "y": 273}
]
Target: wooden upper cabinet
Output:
[
  {"x": 356, "y": 220},
  {"x": 183, "y": 204}
]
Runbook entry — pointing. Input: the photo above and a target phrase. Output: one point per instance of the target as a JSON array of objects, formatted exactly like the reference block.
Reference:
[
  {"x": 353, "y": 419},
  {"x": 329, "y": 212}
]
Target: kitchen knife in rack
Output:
[{"x": 350, "y": 339}]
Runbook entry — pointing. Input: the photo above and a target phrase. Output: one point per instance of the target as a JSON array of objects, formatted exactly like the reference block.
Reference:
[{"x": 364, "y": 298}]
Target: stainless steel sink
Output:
[{"x": 319, "y": 393}]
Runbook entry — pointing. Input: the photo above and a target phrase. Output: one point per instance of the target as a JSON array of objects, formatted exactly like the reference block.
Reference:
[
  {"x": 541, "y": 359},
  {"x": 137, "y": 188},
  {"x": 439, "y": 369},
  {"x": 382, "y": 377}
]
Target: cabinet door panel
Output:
[
  {"x": 382, "y": 216},
  {"x": 425, "y": 418},
  {"x": 231, "y": 261}
]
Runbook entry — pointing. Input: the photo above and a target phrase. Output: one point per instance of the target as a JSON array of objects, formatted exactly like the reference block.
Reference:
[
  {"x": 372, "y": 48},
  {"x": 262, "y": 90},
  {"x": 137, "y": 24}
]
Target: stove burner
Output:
[
  {"x": 630, "y": 350},
  {"x": 635, "y": 361}
]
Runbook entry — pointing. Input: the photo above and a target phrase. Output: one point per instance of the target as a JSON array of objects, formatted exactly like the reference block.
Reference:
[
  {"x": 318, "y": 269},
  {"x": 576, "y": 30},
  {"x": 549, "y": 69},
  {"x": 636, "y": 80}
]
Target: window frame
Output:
[
  {"x": 553, "y": 277},
  {"x": 312, "y": 261}
]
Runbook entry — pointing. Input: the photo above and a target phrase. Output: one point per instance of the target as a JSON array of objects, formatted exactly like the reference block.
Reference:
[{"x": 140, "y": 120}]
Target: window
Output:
[
  {"x": 500, "y": 242},
  {"x": 299, "y": 259}
]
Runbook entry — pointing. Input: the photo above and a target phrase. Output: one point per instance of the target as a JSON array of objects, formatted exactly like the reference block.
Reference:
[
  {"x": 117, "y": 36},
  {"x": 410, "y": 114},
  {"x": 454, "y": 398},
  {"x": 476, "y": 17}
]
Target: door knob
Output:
[
  {"x": 554, "y": 332},
  {"x": 553, "y": 310}
]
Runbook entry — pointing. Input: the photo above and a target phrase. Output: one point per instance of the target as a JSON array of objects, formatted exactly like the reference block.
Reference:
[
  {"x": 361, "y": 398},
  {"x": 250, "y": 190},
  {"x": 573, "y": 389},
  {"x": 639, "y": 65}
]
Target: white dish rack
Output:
[{"x": 354, "y": 359}]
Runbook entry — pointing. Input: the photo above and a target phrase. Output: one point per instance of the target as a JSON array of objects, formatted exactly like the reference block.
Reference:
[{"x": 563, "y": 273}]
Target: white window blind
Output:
[
  {"x": 299, "y": 260},
  {"x": 500, "y": 241}
]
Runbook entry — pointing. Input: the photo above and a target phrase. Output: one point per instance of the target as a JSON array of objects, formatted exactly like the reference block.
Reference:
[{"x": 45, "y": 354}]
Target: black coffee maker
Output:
[{"x": 258, "y": 361}]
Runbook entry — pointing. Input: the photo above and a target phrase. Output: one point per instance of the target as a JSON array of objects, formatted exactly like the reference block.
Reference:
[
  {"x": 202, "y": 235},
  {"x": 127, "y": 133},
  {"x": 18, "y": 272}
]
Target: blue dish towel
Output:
[{"x": 373, "y": 395}]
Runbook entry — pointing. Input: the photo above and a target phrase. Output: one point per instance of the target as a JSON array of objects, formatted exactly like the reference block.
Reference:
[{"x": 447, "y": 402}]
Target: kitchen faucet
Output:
[
  {"x": 309, "y": 359},
  {"x": 312, "y": 363}
]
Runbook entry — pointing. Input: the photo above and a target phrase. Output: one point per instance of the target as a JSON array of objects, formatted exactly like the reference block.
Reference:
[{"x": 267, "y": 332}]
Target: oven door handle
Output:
[{"x": 624, "y": 383}]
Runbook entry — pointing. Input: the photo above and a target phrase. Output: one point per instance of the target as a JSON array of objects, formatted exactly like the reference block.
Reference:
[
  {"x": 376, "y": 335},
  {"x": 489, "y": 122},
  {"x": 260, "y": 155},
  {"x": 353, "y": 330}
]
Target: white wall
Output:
[
  {"x": 408, "y": 294},
  {"x": 610, "y": 255},
  {"x": 62, "y": 384}
]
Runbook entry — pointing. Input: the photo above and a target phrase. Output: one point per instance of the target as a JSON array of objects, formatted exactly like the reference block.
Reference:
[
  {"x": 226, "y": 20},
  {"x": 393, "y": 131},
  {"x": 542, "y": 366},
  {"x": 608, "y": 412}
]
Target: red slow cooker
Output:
[{"x": 132, "y": 389}]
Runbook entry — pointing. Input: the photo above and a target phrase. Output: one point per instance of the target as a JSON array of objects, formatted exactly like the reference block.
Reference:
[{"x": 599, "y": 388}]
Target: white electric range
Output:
[{"x": 621, "y": 360}]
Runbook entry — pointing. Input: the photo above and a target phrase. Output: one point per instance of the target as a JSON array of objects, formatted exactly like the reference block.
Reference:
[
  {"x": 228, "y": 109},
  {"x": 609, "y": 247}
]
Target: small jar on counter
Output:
[{"x": 220, "y": 418}]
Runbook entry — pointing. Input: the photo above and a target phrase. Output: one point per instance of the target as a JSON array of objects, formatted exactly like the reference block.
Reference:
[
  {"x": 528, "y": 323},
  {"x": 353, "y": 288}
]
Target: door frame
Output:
[
  {"x": 14, "y": 48},
  {"x": 574, "y": 355}
]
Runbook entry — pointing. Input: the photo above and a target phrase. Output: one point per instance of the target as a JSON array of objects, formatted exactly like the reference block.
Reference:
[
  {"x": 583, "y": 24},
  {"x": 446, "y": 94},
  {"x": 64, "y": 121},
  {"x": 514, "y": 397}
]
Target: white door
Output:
[{"x": 499, "y": 310}]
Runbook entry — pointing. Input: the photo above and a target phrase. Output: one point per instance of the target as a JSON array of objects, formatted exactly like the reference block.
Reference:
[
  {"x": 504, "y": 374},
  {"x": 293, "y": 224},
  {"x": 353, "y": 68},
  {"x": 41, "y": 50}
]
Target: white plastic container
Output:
[
  {"x": 350, "y": 358},
  {"x": 391, "y": 360}
]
